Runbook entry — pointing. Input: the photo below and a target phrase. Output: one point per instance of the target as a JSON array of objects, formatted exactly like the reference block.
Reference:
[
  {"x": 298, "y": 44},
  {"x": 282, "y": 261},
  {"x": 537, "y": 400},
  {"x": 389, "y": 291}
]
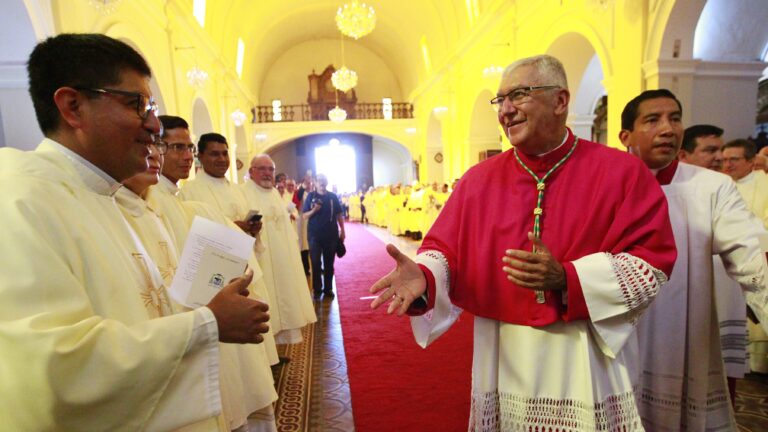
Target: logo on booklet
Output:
[{"x": 217, "y": 281}]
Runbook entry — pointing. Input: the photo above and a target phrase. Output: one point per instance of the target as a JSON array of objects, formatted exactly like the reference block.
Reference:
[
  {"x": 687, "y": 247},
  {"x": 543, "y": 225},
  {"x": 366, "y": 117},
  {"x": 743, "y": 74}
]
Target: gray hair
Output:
[{"x": 549, "y": 69}]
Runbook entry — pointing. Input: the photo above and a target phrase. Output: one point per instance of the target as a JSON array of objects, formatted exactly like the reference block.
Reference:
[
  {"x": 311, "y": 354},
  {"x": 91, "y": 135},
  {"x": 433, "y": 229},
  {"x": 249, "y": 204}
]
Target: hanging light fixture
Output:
[
  {"x": 238, "y": 117},
  {"x": 344, "y": 79},
  {"x": 337, "y": 115},
  {"x": 355, "y": 19},
  {"x": 104, "y": 7},
  {"x": 197, "y": 77}
]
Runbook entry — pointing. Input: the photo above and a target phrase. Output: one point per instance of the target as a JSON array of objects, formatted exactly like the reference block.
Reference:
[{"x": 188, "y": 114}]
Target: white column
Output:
[
  {"x": 720, "y": 93},
  {"x": 18, "y": 123},
  {"x": 581, "y": 125}
]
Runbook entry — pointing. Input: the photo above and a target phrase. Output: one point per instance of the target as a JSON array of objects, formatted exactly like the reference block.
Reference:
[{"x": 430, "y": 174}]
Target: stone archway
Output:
[
  {"x": 484, "y": 139},
  {"x": 585, "y": 79}
]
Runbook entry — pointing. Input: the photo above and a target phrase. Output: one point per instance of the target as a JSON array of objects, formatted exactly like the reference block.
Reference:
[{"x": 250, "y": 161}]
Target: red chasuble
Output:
[{"x": 599, "y": 200}]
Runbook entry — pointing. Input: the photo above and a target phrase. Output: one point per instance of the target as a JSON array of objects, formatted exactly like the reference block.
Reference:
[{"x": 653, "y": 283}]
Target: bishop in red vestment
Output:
[{"x": 557, "y": 247}]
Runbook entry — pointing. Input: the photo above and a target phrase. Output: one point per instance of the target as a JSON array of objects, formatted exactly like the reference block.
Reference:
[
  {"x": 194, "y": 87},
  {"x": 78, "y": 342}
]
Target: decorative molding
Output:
[
  {"x": 699, "y": 68},
  {"x": 13, "y": 75}
]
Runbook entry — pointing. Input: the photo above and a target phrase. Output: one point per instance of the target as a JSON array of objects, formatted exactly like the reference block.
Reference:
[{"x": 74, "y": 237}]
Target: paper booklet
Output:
[{"x": 213, "y": 255}]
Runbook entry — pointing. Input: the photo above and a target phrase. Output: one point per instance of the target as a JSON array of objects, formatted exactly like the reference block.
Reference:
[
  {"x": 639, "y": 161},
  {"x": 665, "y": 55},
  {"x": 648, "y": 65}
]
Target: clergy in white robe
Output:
[
  {"x": 683, "y": 385},
  {"x": 245, "y": 375},
  {"x": 554, "y": 343},
  {"x": 90, "y": 308},
  {"x": 281, "y": 260},
  {"x": 703, "y": 146},
  {"x": 86, "y": 343},
  {"x": 739, "y": 158}
]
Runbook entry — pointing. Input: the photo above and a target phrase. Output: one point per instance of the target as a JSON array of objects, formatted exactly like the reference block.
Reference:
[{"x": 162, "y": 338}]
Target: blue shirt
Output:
[{"x": 323, "y": 223}]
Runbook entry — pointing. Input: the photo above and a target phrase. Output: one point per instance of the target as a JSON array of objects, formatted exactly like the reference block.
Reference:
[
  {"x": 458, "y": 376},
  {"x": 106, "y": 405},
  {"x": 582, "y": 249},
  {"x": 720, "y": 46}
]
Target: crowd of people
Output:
[
  {"x": 408, "y": 211},
  {"x": 609, "y": 289}
]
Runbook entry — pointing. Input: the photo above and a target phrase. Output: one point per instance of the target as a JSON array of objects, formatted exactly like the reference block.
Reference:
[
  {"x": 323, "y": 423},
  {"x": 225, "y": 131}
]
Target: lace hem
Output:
[
  {"x": 493, "y": 411},
  {"x": 639, "y": 282}
]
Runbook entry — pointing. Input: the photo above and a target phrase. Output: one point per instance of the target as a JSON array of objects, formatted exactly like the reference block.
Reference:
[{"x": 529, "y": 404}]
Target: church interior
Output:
[{"x": 405, "y": 102}]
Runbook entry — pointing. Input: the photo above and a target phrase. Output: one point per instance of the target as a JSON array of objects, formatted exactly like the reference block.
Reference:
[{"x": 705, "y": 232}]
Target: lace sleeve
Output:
[
  {"x": 428, "y": 327},
  {"x": 617, "y": 290}
]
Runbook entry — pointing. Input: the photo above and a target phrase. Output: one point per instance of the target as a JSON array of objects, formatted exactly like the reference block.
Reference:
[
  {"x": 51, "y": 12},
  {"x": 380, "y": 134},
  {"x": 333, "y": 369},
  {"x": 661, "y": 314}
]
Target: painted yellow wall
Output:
[{"x": 285, "y": 40}]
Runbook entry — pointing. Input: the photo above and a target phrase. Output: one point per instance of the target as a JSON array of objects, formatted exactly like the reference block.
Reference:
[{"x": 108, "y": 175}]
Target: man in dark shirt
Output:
[{"x": 325, "y": 229}]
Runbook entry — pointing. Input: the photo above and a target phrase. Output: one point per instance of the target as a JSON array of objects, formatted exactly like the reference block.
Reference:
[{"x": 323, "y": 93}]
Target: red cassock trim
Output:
[{"x": 600, "y": 200}]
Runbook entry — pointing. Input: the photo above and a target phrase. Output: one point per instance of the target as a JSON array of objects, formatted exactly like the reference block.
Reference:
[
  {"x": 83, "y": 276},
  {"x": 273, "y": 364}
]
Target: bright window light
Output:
[
  {"x": 198, "y": 10},
  {"x": 386, "y": 108},
  {"x": 240, "y": 55},
  {"x": 277, "y": 110},
  {"x": 337, "y": 162}
]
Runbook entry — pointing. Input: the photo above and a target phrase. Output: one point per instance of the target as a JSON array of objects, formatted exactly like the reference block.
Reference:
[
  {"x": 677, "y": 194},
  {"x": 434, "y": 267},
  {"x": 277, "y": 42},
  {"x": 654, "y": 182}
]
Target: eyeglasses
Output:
[
  {"x": 161, "y": 146},
  {"x": 733, "y": 160},
  {"x": 182, "y": 148},
  {"x": 144, "y": 105},
  {"x": 518, "y": 95}
]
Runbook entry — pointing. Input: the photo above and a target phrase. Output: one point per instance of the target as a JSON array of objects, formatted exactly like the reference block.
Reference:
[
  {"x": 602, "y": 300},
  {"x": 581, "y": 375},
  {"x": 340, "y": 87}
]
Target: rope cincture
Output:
[{"x": 539, "y": 210}]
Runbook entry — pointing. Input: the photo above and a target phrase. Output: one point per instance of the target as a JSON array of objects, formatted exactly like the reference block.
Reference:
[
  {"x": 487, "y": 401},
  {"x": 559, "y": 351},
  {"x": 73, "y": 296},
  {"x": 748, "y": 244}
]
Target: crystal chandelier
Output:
[
  {"x": 197, "y": 77},
  {"x": 337, "y": 115},
  {"x": 492, "y": 71},
  {"x": 344, "y": 79},
  {"x": 104, "y": 7},
  {"x": 355, "y": 19},
  {"x": 238, "y": 117}
]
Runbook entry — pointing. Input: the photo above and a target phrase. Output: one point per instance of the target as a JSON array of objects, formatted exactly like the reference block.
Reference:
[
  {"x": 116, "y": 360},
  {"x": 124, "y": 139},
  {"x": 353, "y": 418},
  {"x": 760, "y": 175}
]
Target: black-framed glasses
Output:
[
  {"x": 518, "y": 95},
  {"x": 182, "y": 148},
  {"x": 144, "y": 105}
]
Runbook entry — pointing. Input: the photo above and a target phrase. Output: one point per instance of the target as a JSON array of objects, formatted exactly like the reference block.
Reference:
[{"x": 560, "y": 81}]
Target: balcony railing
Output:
[{"x": 360, "y": 111}]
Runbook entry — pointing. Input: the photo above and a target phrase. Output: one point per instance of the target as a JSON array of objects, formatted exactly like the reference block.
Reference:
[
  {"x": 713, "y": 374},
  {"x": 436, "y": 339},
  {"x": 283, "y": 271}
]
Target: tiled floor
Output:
[{"x": 314, "y": 387}]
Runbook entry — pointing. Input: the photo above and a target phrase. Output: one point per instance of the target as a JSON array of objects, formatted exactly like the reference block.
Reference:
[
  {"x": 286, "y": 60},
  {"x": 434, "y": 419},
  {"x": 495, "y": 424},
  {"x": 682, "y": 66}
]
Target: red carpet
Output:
[{"x": 395, "y": 384}]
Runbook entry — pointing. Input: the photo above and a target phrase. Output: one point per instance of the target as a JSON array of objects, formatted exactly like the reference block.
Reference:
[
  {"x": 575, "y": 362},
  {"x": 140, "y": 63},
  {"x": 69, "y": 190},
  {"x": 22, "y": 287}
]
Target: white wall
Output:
[
  {"x": 18, "y": 124},
  {"x": 391, "y": 163},
  {"x": 287, "y": 77}
]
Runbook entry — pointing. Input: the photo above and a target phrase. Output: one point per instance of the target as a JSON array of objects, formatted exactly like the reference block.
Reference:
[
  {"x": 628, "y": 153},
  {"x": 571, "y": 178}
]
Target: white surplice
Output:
[
  {"x": 683, "y": 385},
  {"x": 281, "y": 262},
  {"x": 80, "y": 351},
  {"x": 245, "y": 375},
  {"x": 217, "y": 192},
  {"x": 165, "y": 197},
  {"x": 754, "y": 189},
  {"x": 512, "y": 393}
]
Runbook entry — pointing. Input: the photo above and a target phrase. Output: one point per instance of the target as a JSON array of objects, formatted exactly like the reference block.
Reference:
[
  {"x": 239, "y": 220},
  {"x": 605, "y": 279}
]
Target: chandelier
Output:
[
  {"x": 238, "y": 117},
  {"x": 337, "y": 115},
  {"x": 344, "y": 79},
  {"x": 104, "y": 7},
  {"x": 355, "y": 19},
  {"x": 197, "y": 77},
  {"x": 492, "y": 71}
]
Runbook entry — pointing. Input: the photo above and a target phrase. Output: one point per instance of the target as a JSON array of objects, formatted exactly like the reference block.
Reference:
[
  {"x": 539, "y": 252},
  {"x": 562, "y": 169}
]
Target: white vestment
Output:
[
  {"x": 683, "y": 384},
  {"x": 217, "y": 192},
  {"x": 245, "y": 373},
  {"x": 281, "y": 262},
  {"x": 511, "y": 393},
  {"x": 80, "y": 351},
  {"x": 754, "y": 189},
  {"x": 165, "y": 197}
]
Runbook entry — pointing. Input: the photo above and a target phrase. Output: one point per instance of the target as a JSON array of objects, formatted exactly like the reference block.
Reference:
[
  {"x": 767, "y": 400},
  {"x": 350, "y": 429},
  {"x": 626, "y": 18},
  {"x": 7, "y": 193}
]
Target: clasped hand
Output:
[{"x": 537, "y": 270}]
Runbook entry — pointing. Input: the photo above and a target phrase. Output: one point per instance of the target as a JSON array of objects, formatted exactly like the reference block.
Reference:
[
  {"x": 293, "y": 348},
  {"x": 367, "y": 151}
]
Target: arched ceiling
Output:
[{"x": 269, "y": 28}]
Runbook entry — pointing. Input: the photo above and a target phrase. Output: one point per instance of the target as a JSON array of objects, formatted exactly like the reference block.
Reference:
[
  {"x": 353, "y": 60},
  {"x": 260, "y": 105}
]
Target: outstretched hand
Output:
[
  {"x": 402, "y": 285},
  {"x": 537, "y": 270}
]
